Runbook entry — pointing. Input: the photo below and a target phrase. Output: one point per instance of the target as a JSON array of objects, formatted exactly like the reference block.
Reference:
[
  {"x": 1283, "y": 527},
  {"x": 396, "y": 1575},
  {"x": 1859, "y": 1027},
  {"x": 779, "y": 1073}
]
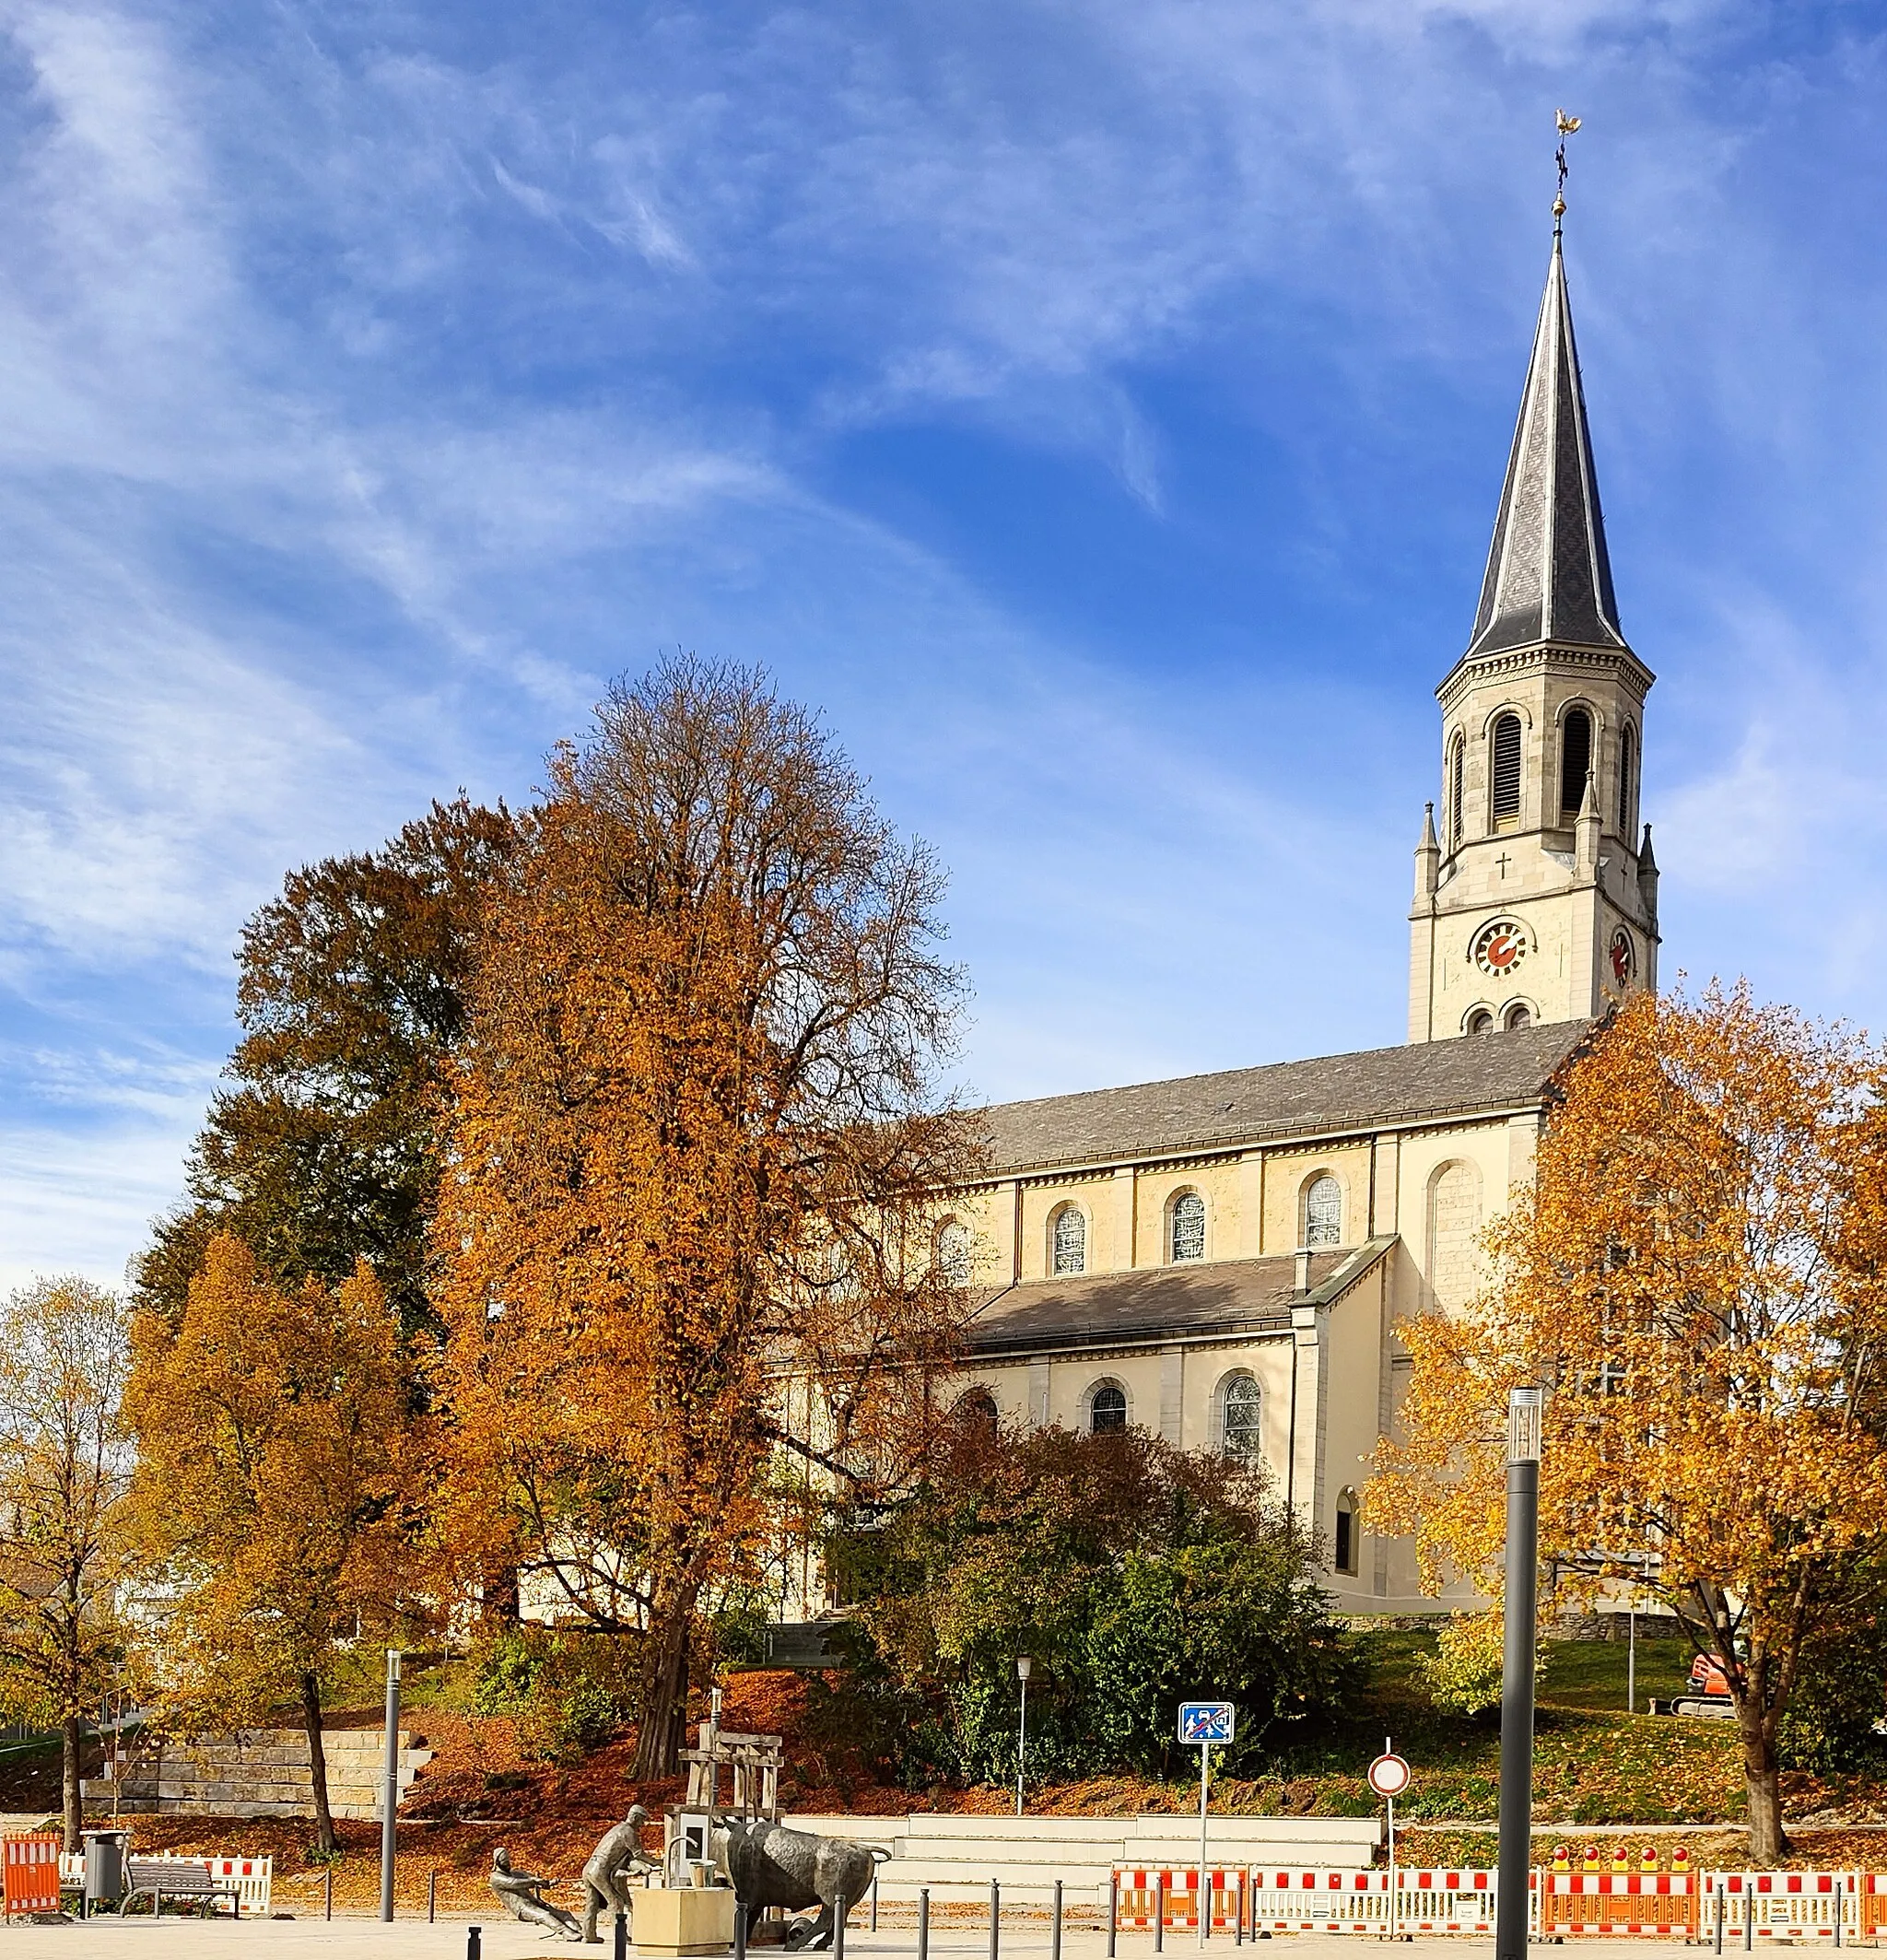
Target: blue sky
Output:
[{"x": 1095, "y": 406}]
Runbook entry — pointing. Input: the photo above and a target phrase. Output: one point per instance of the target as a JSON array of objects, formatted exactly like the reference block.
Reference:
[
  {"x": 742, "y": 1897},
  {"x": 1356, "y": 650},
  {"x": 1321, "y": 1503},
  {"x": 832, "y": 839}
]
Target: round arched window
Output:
[
  {"x": 1068, "y": 1243},
  {"x": 1480, "y": 1022},
  {"x": 1107, "y": 1408},
  {"x": 1519, "y": 1015},
  {"x": 1243, "y": 1415},
  {"x": 1323, "y": 1212},
  {"x": 976, "y": 1410},
  {"x": 1189, "y": 1226}
]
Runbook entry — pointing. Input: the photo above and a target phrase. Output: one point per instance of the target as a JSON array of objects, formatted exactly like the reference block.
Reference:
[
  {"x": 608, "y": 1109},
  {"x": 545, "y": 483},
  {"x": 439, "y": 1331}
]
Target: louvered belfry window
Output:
[
  {"x": 1189, "y": 1226},
  {"x": 1506, "y": 768},
  {"x": 1575, "y": 759},
  {"x": 1627, "y": 769}
]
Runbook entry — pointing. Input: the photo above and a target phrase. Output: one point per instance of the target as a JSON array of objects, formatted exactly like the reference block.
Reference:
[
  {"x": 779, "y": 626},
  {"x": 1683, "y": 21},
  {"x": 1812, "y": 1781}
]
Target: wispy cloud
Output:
[{"x": 1096, "y": 407}]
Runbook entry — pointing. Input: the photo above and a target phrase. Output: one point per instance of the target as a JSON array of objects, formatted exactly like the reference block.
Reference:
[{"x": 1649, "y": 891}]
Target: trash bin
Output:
[{"x": 104, "y": 1867}]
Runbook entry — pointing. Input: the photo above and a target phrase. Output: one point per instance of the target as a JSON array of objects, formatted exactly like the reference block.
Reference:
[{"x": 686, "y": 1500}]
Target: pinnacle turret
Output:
[{"x": 1548, "y": 575}]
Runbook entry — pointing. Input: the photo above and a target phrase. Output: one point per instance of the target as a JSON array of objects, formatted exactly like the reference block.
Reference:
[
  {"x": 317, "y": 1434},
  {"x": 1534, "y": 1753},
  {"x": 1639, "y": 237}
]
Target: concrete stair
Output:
[{"x": 956, "y": 1856}]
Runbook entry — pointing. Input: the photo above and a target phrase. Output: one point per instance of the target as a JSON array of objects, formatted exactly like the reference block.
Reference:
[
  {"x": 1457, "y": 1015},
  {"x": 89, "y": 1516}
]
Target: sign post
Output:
[
  {"x": 1203, "y": 1723},
  {"x": 1388, "y": 1777}
]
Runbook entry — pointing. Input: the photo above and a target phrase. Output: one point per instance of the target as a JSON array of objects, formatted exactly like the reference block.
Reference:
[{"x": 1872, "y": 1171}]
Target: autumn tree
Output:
[
  {"x": 1696, "y": 1278},
  {"x": 324, "y": 1150},
  {"x": 65, "y": 1555},
  {"x": 697, "y": 1156},
  {"x": 280, "y": 1477}
]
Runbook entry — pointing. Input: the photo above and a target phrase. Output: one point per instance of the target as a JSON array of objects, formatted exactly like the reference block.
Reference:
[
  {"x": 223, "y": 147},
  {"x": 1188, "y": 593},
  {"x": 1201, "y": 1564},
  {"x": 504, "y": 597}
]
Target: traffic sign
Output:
[
  {"x": 1389, "y": 1776},
  {"x": 1205, "y": 1721}
]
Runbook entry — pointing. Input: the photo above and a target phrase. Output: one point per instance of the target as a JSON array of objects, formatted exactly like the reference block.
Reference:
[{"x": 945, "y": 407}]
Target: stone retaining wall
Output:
[{"x": 265, "y": 1773}]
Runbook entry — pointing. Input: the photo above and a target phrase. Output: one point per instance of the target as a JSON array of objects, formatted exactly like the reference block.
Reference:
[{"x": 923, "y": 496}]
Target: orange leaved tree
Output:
[
  {"x": 687, "y": 1225},
  {"x": 1697, "y": 1279},
  {"x": 281, "y": 1472}
]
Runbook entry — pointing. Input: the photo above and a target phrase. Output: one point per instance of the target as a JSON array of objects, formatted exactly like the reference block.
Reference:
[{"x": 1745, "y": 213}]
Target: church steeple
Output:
[
  {"x": 1548, "y": 575},
  {"x": 1534, "y": 903}
]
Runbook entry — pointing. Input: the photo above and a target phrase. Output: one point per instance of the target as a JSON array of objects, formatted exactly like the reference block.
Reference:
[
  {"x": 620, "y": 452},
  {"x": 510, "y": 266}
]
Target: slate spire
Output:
[{"x": 1548, "y": 575}]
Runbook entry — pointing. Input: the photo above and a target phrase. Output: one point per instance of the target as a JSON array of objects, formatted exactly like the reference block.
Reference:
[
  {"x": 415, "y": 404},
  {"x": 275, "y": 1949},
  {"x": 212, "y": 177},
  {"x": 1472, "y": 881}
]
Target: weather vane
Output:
[{"x": 1567, "y": 124}]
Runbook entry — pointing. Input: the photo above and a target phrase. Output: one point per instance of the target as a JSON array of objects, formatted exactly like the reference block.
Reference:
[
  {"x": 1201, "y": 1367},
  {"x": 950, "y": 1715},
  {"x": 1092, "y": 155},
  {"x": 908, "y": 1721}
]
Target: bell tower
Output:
[{"x": 1536, "y": 897}]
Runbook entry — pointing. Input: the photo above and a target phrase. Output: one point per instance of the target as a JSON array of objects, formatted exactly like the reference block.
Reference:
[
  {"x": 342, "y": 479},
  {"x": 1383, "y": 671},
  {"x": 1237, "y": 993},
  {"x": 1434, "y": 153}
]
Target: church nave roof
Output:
[{"x": 1378, "y": 1088}]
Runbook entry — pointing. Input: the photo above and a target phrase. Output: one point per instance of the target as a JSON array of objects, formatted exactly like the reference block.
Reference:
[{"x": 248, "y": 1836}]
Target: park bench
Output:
[{"x": 178, "y": 1878}]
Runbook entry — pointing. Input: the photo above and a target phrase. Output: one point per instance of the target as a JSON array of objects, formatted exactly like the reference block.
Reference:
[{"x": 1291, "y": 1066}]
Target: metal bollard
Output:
[
  {"x": 327, "y": 1903},
  {"x": 1160, "y": 1913},
  {"x": 923, "y": 1922},
  {"x": 1202, "y": 1905},
  {"x": 740, "y": 1930},
  {"x": 1113, "y": 1910},
  {"x": 1238, "y": 1923},
  {"x": 474, "y": 1944},
  {"x": 1719, "y": 1914},
  {"x": 841, "y": 1915},
  {"x": 622, "y": 1933},
  {"x": 875, "y": 1902},
  {"x": 995, "y": 1919},
  {"x": 432, "y": 1895},
  {"x": 1749, "y": 1920},
  {"x": 1055, "y": 1925}
]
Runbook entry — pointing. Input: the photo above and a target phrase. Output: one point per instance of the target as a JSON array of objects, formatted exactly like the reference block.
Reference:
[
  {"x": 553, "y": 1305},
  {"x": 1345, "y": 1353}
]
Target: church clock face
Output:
[
  {"x": 1499, "y": 948},
  {"x": 1623, "y": 958}
]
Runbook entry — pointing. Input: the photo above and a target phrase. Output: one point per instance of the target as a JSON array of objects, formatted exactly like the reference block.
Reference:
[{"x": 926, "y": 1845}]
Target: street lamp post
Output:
[
  {"x": 1517, "y": 1679},
  {"x": 390, "y": 1785},
  {"x": 1021, "y": 1726}
]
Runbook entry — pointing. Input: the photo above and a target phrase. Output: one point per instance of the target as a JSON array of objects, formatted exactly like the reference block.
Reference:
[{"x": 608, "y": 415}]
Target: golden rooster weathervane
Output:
[{"x": 1567, "y": 126}]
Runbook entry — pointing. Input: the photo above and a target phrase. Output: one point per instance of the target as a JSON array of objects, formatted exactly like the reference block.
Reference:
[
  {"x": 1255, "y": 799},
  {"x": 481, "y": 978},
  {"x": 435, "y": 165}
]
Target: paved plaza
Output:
[{"x": 185, "y": 1939}]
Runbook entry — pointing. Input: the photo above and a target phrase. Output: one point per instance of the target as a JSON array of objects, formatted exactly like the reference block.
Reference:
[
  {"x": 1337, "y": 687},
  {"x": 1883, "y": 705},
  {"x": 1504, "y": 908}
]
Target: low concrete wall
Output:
[{"x": 265, "y": 1773}]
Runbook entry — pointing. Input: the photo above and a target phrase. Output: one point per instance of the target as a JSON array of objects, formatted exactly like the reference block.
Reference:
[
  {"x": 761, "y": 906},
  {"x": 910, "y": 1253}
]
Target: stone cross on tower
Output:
[{"x": 1537, "y": 900}]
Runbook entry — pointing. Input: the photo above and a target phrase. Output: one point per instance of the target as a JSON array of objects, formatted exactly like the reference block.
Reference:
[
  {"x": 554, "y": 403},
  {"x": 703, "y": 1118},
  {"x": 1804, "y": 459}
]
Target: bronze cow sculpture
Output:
[{"x": 770, "y": 1865}]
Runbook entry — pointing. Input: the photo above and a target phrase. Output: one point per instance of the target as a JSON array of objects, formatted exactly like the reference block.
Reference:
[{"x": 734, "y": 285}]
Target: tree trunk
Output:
[
  {"x": 1763, "y": 1774},
  {"x": 666, "y": 1684},
  {"x": 74, "y": 1734},
  {"x": 317, "y": 1763}
]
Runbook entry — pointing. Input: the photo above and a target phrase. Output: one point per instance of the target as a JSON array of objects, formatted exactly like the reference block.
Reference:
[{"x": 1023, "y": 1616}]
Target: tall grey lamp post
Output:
[
  {"x": 1021, "y": 1726},
  {"x": 1517, "y": 1675},
  {"x": 389, "y": 1790}
]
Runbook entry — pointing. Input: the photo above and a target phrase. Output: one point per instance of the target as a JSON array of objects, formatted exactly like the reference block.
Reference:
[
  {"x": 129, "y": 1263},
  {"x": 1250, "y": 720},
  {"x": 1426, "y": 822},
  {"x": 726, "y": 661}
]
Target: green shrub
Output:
[
  {"x": 568, "y": 1692},
  {"x": 1133, "y": 1576}
]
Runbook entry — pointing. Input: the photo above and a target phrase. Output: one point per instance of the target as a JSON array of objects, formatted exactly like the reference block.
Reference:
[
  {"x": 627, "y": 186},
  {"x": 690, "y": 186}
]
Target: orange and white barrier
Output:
[
  {"x": 33, "y": 1875},
  {"x": 1139, "y": 1889},
  {"x": 1611, "y": 1903}
]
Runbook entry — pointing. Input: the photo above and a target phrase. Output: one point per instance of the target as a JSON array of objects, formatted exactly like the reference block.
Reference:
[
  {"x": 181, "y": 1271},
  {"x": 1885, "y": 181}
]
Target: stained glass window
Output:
[
  {"x": 952, "y": 1252},
  {"x": 1107, "y": 1408},
  {"x": 1323, "y": 1212},
  {"x": 1243, "y": 1418},
  {"x": 1070, "y": 1241},
  {"x": 1189, "y": 1226}
]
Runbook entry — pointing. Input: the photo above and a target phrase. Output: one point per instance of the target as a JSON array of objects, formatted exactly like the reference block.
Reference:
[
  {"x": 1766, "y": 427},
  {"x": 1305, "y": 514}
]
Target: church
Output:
[{"x": 1224, "y": 1259}]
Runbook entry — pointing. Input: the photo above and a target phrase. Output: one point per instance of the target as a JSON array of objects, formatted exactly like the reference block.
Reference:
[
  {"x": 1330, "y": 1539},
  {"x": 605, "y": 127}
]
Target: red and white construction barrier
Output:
[
  {"x": 1139, "y": 1889},
  {"x": 33, "y": 1875}
]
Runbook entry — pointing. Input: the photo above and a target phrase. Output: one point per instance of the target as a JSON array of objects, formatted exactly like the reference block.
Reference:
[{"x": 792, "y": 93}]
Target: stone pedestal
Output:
[{"x": 677, "y": 1919}]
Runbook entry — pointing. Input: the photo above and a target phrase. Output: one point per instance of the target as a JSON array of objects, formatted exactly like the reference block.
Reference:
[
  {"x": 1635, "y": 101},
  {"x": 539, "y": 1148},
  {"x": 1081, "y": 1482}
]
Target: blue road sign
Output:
[{"x": 1205, "y": 1721}]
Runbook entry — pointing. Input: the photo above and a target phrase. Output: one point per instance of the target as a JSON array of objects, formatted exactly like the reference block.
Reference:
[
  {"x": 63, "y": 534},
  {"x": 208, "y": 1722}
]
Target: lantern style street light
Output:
[
  {"x": 1021, "y": 1726},
  {"x": 1517, "y": 1675}
]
